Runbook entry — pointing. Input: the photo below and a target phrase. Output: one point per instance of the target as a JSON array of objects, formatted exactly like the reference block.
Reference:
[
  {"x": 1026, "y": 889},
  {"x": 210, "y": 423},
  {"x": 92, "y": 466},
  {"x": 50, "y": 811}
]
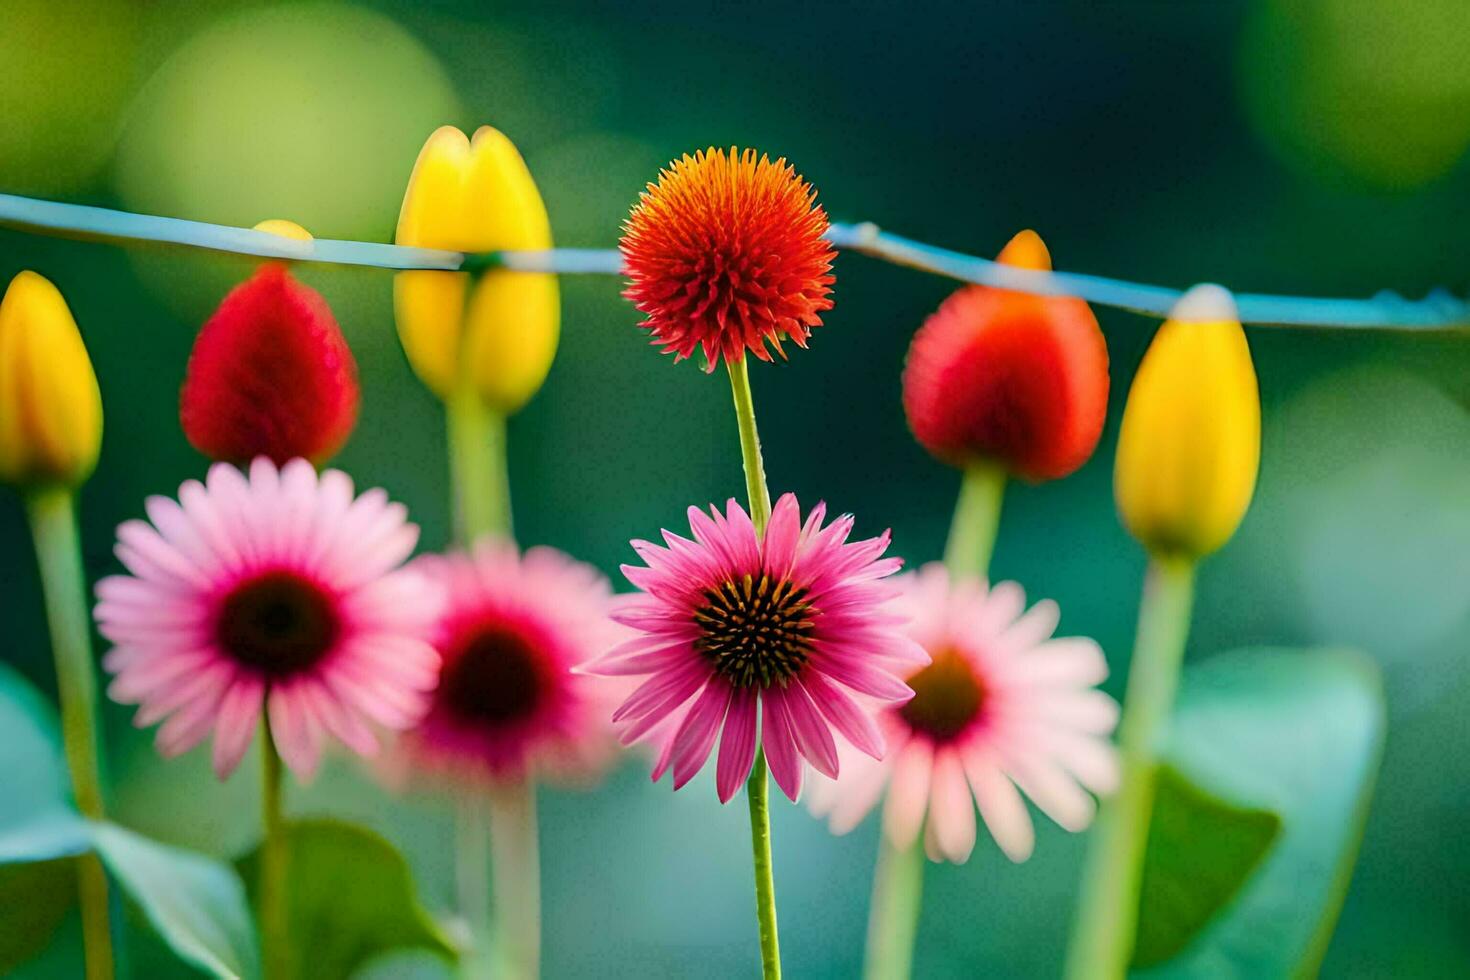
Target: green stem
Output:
[
  {"x": 477, "y": 464},
  {"x": 516, "y": 868},
  {"x": 511, "y": 893},
  {"x": 750, "y": 446},
  {"x": 1107, "y": 920},
  {"x": 757, "y": 795},
  {"x": 893, "y": 919},
  {"x": 898, "y": 877},
  {"x": 52, "y": 514},
  {"x": 275, "y": 940},
  {"x": 472, "y": 880},
  {"x": 976, "y": 520},
  {"x": 757, "y": 789}
]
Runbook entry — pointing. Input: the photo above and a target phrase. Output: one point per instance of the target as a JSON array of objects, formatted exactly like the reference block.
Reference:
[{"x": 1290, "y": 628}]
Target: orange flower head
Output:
[
  {"x": 1008, "y": 376},
  {"x": 725, "y": 253}
]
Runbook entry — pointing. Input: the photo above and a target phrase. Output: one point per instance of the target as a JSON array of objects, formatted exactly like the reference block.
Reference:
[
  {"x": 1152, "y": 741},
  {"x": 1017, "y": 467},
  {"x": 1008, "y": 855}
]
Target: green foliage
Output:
[
  {"x": 1259, "y": 736},
  {"x": 37, "y": 880},
  {"x": 195, "y": 904},
  {"x": 30, "y": 752},
  {"x": 352, "y": 898},
  {"x": 1201, "y": 850}
]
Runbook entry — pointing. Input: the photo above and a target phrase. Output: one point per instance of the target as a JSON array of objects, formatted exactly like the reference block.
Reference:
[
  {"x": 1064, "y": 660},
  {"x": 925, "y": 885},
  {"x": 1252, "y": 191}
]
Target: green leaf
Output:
[
  {"x": 54, "y": 833},
  {"x": 30, "y": 752},
  {"x": 352, "y": 898},
  {"x": 1201, "y": 850},
  {"x": 194, "y": 903},
  {"x": 1295, "y": 733},
  {"x": 38, "y": 831}
]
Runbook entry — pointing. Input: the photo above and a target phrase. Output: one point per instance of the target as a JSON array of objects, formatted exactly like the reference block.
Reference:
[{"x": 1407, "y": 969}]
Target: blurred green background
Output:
[{"x": 1288, "y": 146}]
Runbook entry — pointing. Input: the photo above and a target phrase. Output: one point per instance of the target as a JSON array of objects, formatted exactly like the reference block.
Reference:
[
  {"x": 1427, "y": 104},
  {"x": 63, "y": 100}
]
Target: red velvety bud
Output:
[
  {"x": 270, "y": 375},
  {"x": 1022, "y": 379}
]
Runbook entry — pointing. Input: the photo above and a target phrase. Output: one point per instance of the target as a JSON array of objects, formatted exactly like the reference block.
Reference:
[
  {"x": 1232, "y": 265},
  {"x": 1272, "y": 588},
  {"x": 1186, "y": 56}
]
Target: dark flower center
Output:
[
  {"x": 278, "y": 623},
  {"x": 947, "y": 698},
  {"x": 494, "y": 679},
  {"x": 757, "y": 631}
]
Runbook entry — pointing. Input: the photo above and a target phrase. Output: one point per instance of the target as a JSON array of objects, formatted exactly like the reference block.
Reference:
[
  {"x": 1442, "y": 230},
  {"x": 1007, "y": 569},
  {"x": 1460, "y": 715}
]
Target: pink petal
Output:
[
  {"x": 862, "y": 783},
  {"x": 737, "y": 746},
  {"x": 813, "y": 737},
  {"x": 239, "y": 715},
  {"x": 341, "y": 722},
  {"x": 1057, "y": 794},
  {"x": 741, "y": 534},
  {"x": 951, "y": 808},
  {"x": 908, "y": 793},
  {"x": 296, "y": 736},
  {"x": 855, "y": 723},
  {"x": 650, "y": 660},
  {"x": 1069, "y": 662},
  {"x": 1093, "y": 761},
  {"x": 697, "y": 735},
  {"x": 845, "y": 668},
  {"x": 186, "y": 729},
  {"x": 1034, "y": 627},
  {"x": 1088, "y": 710},
  {"x": 781, "y": 536},
  {"x": 1001, "y": 806},
  {"x": 780, "y": 747},
  {"x": 663, "y": 691}
]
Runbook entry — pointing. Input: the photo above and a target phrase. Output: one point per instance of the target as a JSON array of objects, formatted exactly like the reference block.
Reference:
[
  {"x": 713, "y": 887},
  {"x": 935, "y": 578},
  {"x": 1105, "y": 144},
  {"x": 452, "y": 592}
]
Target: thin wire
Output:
[{"x": 1439, "y": 310}]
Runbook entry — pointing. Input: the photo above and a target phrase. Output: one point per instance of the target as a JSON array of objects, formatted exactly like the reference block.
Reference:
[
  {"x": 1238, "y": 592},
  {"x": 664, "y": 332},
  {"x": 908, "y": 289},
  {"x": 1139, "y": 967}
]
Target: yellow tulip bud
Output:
[
  {"x": 476, "y": 196},
  {"x": 284, "y": 228},
  {"x": 50, "y": 406},
  {"x": 1190, "y": 445}
]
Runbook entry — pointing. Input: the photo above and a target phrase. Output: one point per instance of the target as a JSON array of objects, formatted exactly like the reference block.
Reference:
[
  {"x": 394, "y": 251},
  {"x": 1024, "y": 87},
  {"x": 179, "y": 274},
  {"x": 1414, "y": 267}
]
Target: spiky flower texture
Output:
[
  {"x": 725, "y": 254},
  {"x": 794, "y": 623}
]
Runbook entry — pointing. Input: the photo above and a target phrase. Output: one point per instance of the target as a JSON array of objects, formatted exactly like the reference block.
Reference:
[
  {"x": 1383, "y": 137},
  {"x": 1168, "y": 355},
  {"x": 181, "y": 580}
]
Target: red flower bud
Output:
[
  {"x": 270, "y": 375},
  {"x": 1021, "y": 379}
]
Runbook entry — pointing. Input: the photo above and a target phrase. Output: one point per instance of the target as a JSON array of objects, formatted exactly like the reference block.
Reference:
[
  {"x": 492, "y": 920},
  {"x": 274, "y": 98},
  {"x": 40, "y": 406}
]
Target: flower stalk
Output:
[
  {"x": 757, "y": 790},
  {"x": 506, "y": 942},
  {"x": 275, "y": 938},
  {"x": 893, "y": 919},
  {"x": 52, "y": 515},
  {"x": 515, "y": 866},
  {"x": 1107, "y": 922},
  {"x": 471, "y": 876},
  {"x": 898, "y": 877},
  {"x": 976, "y": 520},
  {"x": 477, "y": 462}
]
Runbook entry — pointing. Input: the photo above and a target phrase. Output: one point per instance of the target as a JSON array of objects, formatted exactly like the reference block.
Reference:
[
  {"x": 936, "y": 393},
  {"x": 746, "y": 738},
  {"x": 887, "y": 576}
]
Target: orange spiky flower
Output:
[{"x": 725, "y": 253}]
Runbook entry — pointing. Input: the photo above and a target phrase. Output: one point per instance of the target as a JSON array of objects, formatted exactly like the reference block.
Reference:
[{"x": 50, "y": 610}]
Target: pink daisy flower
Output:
[
  {"x": 798, "y": 623},
  {"x": 277, "y": 592},
  {"x": 507, "y": 706},
  {"x": 1003, "y": 709}
]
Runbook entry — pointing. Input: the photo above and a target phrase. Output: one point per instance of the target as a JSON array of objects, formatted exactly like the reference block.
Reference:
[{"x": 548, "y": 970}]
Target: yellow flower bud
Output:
[
  {"x": 284, "y": 228},
  {"x": 476, "y": 196},
  {"x": 1190, "y": 445},
  {"x": 50, "y": 406}
]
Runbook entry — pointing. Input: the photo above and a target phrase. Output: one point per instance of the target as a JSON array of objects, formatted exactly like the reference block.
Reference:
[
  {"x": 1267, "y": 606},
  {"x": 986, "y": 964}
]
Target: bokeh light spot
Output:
[
  {"x": 65, "y": 72},
  {"x": 311, "y": 113},
  {"x": 1377, "y": 93}
]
